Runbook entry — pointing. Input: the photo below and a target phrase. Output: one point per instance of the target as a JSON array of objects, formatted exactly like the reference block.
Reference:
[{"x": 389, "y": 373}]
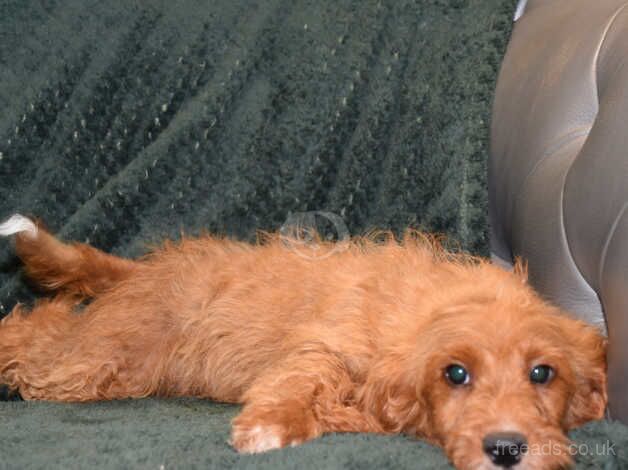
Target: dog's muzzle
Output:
[{"x": 505, "y": 449}]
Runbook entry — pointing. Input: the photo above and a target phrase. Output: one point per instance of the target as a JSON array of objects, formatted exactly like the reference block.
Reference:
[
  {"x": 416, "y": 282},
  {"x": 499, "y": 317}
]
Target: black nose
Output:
[{"x": 505, "y": 449}]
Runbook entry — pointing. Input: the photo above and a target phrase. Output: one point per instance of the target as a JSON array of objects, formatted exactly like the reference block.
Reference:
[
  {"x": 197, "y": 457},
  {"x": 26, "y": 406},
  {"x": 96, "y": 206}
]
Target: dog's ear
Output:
[
  {"x": 390, "y": 395},
  {"x": 587, "y": 350}
]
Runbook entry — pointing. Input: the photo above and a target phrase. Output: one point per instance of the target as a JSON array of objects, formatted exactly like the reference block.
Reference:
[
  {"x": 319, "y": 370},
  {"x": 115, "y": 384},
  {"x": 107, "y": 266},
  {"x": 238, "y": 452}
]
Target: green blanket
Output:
[
  {"x": 124, "y": 122},
  {"x": 186, "y": 433}
]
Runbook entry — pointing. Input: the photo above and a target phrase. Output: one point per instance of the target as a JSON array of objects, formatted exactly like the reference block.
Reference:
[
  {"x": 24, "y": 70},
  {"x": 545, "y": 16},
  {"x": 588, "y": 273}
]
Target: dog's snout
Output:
[{"x": 505, "y": 449}]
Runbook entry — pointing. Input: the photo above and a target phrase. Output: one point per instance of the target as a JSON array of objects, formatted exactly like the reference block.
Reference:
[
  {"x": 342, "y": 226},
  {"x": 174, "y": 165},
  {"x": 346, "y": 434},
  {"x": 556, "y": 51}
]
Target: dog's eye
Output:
[
  {"x": 541, "y": 374},
  {"x": 457, "y": 375}
]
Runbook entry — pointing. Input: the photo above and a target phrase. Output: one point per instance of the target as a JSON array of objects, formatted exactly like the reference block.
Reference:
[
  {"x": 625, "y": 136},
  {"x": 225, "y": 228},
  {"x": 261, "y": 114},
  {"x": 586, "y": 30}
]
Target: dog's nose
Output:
[{"x": 505, "y": 449}]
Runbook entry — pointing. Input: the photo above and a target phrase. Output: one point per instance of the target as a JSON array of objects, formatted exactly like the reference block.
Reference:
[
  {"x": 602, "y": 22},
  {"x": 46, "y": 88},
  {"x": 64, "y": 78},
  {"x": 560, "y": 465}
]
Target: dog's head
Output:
[{"x": 495, "y": 376}]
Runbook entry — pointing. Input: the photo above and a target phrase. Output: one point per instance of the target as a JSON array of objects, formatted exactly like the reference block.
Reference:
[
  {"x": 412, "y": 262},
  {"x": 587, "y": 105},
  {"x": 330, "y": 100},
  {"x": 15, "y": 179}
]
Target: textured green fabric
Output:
[
  {"x": 123, "y": 122},
  {"x": 178, "y": 434},
  {"x": 187, "y": 433}
]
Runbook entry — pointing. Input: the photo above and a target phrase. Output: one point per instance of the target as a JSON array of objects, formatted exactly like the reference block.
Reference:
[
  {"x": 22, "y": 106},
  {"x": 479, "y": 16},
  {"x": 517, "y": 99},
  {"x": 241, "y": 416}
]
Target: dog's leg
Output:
[
  {"x": 76, "y": 269},
  {"x": 306, "y": 395},
  {"x": 54, "y": 353}
]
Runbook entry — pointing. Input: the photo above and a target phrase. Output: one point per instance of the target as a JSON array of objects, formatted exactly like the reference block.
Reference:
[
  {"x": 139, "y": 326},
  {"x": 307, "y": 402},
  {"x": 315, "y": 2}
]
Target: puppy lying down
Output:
[{"x": 380, "y": 336}]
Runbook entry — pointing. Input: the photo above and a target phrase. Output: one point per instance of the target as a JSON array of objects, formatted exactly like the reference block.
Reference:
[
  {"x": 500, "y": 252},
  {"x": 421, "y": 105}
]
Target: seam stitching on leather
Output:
[
  {"x": 600, "y": 322},
  {"x": 596, "y": 59},
  {"x": 597, "y": 54},
  {"x": 553, "y": 147},
  {"x": 556, "y": 145},
  {"x": 608, "y": 241}
]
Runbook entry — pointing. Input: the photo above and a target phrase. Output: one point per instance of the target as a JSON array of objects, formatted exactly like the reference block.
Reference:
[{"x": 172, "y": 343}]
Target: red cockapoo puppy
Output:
[{"x": 384, "y": 337}]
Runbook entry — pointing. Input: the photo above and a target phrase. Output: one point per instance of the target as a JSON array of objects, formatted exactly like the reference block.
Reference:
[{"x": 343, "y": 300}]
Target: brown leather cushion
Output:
[{"x": 558, "y": 173}]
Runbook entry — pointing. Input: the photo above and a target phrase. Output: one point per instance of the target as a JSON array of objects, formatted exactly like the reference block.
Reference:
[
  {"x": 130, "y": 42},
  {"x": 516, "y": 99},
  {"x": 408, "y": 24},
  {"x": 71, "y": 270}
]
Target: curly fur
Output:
[{"x": 356, "y": 341}]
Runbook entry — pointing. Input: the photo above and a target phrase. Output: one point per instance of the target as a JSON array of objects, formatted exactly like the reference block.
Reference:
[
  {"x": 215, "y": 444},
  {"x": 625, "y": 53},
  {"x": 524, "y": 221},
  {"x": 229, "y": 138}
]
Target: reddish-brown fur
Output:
[{"x": 356, "y": 341}]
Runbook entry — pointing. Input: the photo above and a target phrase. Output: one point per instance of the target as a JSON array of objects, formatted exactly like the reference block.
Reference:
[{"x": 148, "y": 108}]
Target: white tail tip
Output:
[{"x": 17, "y": 224}]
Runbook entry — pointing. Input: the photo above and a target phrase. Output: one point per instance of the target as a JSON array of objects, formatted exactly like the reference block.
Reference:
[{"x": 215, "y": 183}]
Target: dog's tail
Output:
[{"x": 76, "y": 269}]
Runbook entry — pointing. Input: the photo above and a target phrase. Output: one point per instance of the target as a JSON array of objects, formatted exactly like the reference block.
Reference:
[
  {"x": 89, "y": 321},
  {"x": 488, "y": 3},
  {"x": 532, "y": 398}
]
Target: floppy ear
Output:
[
  {"x": 587, "y": 348},
  {"x": 390, "y": 395}
]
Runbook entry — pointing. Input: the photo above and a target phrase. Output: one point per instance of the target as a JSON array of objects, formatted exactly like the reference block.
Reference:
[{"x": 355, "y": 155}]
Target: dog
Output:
[{"x": 383, "y": 336}]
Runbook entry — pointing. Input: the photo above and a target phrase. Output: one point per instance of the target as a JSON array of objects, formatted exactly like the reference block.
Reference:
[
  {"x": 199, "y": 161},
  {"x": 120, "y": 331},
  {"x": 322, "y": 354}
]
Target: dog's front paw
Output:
[
  {"x": 258, "y": 438},
  {"x": 260, "y": 428}
]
